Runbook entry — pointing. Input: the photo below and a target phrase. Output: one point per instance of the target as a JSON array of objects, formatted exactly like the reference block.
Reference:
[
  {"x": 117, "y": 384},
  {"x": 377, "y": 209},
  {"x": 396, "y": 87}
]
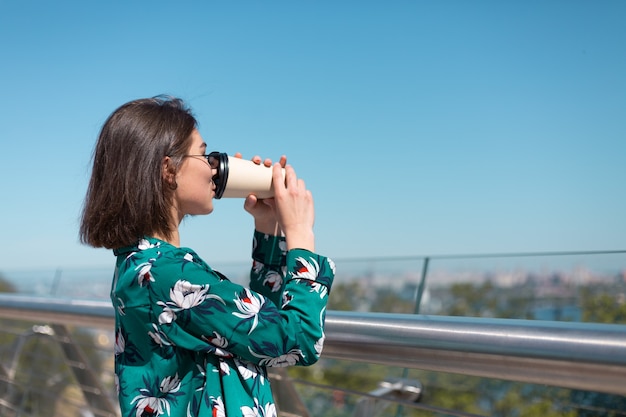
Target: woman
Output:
[{"x": 188, "y": 341}]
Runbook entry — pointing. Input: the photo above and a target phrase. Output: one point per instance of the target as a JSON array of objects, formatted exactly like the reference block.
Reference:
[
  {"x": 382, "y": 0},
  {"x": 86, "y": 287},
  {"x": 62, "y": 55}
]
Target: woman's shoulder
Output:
[{"x": 159, "y": 252}]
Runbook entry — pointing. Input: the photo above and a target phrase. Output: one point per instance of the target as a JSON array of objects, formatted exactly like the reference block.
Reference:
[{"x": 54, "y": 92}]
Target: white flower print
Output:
[
  {"x": 120, "y": 343},
  {"x": 249, "y": 370},
  {"x": 170, "y": 384},
  {"x": 331, "y": 263},
  {"x": 186, "y": 295},
  {"x": 218, "y": 340},
  {"x": 150, "y": 404},
  {"x": 269, "y": 410},
  {"x": 249, "y": 307},
  {"x": 274, "y": 280},
  {"x": 257, "y": 266},
  {"x": 224, "y": 368},
  {"x": 286, "y": 298},
  {"x": 249, "y": 412},
  {"x": 319, "y": 345},
  {"x": 144, "y": 276},
  {"x": 202, "y": 373},
  {"x": 158, "y": 337},
  {"x": 321, "y": 289},
  {"x": 288, "y": 359},
  {"x": 121, "y": 308},
  {"x": 145, "y": 244},
  {"x": 308, "y": 270},
  {"x": 217, "y": 406},
  {"x": 168, "y": 315},
  {"x": 220, "y": 343}
]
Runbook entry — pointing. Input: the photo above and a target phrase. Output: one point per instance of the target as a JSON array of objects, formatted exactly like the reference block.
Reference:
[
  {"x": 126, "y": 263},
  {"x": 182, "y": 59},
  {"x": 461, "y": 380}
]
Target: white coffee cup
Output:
[{"x": 238, "y": 178}]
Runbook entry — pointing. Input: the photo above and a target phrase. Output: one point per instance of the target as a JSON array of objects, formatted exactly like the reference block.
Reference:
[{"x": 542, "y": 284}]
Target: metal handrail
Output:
[{"x": 584, "y": 356}]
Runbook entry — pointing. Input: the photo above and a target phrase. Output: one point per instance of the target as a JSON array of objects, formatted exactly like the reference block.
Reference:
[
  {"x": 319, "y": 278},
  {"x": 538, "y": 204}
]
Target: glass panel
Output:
[
  {"x": 37, "y": 378},
  {"x": 344, "y": 388}
]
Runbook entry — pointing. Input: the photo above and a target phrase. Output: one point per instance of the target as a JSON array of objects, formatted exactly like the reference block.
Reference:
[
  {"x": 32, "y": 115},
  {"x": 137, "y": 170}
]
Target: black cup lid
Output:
[{"x": 221, "y": 177}]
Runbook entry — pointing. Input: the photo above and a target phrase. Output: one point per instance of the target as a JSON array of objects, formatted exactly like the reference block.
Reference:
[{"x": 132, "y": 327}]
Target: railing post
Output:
[{"x": 422, "y": 285}]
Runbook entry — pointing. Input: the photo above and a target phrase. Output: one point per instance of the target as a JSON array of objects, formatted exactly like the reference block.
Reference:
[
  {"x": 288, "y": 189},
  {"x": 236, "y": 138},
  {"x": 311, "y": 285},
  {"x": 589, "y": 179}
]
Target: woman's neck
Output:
[{"x": 173, "y": 239}]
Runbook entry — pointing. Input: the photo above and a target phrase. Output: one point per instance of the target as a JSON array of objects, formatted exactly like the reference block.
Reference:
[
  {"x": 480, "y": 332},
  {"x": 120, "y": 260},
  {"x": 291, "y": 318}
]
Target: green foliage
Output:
[
  {"x": 388, "y": 301},
  {"x": 346, "y": 374},
  {"x": 486, "y": 300},
  {"x": 6, "y": 285},
  {"x": 602, "y": 307},
  {"x": 346, "y": 297},
  {"x": 471, "y": 300}
]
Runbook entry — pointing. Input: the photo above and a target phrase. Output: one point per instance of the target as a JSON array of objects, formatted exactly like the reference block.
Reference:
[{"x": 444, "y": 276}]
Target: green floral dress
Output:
[{"x": 191, "y": 343}]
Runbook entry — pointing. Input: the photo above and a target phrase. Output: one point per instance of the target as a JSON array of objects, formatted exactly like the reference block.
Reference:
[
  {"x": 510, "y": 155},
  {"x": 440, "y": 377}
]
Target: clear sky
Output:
[{"x": 422, "y": 127}]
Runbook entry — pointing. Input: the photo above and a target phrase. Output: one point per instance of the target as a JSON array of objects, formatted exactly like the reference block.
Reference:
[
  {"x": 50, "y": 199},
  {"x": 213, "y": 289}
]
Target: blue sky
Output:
[{"x": 422, "y": 128}]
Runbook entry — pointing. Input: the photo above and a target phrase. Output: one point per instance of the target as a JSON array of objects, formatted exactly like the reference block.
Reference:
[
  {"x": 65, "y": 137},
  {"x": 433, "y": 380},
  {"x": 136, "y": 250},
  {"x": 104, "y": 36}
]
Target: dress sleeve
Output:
[
  {"x": 196, "y": 309},
  {"x": 269, "y": 261}
]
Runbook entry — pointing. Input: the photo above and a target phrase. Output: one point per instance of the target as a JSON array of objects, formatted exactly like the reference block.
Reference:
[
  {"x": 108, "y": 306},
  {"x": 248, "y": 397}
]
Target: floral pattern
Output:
[{"x": 189, "y": 342}]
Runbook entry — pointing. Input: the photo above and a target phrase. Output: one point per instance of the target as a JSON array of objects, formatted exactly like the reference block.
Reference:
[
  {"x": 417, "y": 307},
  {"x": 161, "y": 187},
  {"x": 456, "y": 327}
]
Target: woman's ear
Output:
[{"x": 168, "y": 173}]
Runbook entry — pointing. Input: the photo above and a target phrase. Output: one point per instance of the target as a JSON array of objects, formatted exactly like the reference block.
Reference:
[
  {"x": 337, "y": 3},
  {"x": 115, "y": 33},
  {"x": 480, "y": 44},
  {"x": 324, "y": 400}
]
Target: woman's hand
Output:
[
  {"x": 267, "y": 162},
  {"x": 262, "y": 209},
  {"x": 293, "y": 207}
]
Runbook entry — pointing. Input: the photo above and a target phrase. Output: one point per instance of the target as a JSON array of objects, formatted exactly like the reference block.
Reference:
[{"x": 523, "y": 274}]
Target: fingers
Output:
[
  {"x": 294, "y": 207},
  {"x": 250, "y": 203},
  {"x": 267, "y": 161},
  {"x": 263, "y": 213},
  {"x": 280, "y": 181},
  {"x": 270, "y": 203},
  {"x": 257, "y": 160}
]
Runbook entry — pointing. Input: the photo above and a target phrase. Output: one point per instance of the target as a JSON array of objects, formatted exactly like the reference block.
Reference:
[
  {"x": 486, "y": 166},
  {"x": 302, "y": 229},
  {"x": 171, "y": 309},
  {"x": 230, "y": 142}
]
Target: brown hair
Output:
[{"x": 127, "y": 197}]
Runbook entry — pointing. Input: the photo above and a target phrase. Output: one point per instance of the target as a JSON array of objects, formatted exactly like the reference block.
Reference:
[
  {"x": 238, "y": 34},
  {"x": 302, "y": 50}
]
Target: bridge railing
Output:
[
  {"x": 581, "y": 356},
  {"x": 461, "y": 335}
]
